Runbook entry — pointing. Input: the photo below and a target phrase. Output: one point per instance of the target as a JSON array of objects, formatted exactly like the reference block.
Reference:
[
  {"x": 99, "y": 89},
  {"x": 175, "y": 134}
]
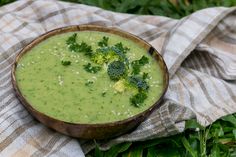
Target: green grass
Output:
[
  {"x": 170, "y": 8},
  {"x": 3, "y": 2},
  {"x": 216, "y": 140}
]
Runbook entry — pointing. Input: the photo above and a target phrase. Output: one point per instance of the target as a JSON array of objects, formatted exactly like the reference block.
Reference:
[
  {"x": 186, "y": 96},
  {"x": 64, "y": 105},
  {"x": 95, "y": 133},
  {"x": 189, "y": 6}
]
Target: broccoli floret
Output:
[
  {"x": 111, "y": 55},
  {"x": 138, "y": 82},
  {"x": 104, "y": 55},
  {"x": 98, "y": 58},
  {"x": 108, "y": 54},
  {"x": 120, "y": 54},
  {"x": 138, "y": 99},
  {"x": 116, "y": 70}
]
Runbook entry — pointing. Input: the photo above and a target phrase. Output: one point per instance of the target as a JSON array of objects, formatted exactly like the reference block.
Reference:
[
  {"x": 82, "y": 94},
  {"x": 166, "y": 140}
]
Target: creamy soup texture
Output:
[{"x": 54, "y": 80}]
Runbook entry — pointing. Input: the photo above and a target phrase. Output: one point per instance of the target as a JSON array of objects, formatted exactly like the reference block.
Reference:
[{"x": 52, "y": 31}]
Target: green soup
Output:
[{"x": 70, "y": 93}]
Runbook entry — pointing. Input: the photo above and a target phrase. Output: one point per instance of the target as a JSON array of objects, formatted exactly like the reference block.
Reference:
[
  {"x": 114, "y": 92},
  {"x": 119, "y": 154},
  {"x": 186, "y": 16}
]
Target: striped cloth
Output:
[{"x": 200, "y": 52}]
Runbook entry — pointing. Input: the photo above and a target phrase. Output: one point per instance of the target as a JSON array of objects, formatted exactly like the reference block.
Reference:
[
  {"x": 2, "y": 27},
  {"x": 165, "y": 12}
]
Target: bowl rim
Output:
[{"x": 87, "y": 27}]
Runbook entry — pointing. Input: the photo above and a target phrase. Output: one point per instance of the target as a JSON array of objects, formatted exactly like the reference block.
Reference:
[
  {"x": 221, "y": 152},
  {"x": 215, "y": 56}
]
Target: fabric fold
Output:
[{"x": 188, "y": 33}]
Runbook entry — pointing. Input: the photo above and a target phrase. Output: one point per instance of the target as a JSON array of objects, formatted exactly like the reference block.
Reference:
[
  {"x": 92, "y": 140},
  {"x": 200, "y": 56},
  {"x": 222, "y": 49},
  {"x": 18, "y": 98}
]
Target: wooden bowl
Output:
[{"x": 91, "y": 131}]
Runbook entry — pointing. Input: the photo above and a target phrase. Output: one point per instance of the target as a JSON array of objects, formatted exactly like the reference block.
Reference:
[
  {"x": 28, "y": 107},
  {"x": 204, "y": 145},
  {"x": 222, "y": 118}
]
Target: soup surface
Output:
[{"x": 67, "y": 77}]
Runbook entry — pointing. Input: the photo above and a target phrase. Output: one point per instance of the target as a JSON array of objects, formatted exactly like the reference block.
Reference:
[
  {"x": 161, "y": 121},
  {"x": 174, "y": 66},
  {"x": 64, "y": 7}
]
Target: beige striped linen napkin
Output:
[{"x": 200, "y": 52}]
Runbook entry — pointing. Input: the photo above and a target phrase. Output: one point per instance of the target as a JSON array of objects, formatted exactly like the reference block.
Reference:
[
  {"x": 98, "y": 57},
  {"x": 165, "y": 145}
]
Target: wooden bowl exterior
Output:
[{"x": 91, "y": 131}]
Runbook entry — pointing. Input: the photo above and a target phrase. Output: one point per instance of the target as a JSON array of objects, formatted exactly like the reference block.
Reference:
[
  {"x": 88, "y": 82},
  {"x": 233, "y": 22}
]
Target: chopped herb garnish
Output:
[
  {"x": 75, "y": 47},
  {"x": 71, "y": 40},
  {"x": 136, "y": 65},
  {"x": 103, "y": 42},
  {"x": 139, "y": 83},
  {"x": 92, "y": 69},
  {"x": 121, "y": 47},
  {"x": 104, "y": 93},
  {"x": 143, "y": 60},
  {"x": 138, "y": 99},
  {"x": 89, "y": 83},
  {"x": 85, "y": 48},
  {"x": 65, "y": 63},
  {"x": 72, "y": 44},
  {"x": 145, "y": 76}
]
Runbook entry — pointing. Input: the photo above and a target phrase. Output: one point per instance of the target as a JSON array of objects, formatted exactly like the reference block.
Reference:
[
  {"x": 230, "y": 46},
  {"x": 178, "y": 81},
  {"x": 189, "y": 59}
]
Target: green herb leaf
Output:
[
  {"x": 65, "y": 63},
  {"x": 85, "y": 48},
  {"x": 91, "y": 69},
  {"x": 75, "y": 47},
  {"x": 145, "y": 76},
  {"x": 72, "y": 39},
  {"x": 103, "y": 42},
  {"x": 138, "y": 99},
  {"x": 144, "y": 60},
  {"x": 104, "y": 94},
  {"x": 120, "y": 47},
  {"x": 72, "y": 44},
  {"x": 89, "y": 83},
  {"x": 137, "y": 64}
]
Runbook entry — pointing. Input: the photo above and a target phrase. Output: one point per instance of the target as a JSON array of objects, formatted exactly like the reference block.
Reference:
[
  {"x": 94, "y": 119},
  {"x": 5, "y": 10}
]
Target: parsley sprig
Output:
[
  {"x": 103, "y": 42},
  {"x": 75, "y": 47},
  {"x": 122, "y": 48},
  {"x": 137, "y": 64},
  {"x": 138, "y": 99},
  {"x": 65, "y": 63},
  {"x": 92, "y": 69}
]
